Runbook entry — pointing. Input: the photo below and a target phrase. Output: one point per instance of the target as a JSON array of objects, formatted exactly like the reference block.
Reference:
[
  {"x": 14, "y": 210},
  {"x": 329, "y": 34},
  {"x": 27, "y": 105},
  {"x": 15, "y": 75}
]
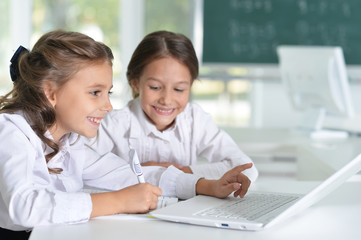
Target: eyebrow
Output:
[
  {"x": 99, "y": 86},
  {"x": 180, "y": 82},
  {"x": 184, "y": 82}
]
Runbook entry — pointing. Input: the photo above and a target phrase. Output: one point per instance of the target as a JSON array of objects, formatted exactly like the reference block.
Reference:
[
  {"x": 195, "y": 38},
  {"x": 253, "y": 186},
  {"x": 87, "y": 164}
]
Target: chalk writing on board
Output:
[{"x": 250, "y": 30}]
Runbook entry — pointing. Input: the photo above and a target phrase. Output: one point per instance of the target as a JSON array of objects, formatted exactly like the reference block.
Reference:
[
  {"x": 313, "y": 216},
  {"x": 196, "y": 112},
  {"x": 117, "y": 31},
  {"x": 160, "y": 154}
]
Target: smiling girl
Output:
[
  {"x": 61, "y": 90},
  {"x": 160, "y": 123}
]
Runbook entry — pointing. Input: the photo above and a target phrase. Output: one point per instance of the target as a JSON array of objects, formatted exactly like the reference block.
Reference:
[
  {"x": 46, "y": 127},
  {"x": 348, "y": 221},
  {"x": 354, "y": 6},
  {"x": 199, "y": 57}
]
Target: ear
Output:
[
  {"x": 135, "y": 85},
  {"x": 49, "y": 89}
]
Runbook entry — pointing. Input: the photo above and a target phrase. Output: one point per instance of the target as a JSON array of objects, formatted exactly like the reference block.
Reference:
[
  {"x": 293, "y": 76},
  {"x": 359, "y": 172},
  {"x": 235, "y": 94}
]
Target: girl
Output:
[
  {"x": 60, "y": 91},
  {"x": 160, "y": 124}
]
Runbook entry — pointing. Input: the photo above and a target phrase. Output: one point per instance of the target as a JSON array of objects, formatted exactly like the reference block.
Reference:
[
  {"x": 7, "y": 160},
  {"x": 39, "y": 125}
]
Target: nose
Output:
[
  {"x": 107, "y": 106},
  {"x": 166, "y": 97}
]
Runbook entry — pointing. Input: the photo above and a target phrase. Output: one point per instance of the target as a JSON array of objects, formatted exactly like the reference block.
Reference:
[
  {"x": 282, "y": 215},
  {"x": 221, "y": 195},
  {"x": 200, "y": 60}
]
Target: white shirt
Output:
[
  {"x": 31, "y": 196},
  {"x": 194, "y": 135}
]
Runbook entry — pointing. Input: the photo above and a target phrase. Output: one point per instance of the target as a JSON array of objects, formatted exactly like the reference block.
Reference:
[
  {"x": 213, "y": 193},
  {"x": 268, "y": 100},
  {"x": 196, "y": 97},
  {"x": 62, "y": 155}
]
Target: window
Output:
[
  {"x": 175, "y": 16},
  {"x": 98, "y": 19},
  {"x": 5, "y": 51},
  {"x": 226, "y": 97}
]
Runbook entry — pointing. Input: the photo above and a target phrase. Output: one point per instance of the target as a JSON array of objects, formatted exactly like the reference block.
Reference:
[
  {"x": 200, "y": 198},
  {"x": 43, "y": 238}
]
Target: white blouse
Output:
[
  {"x": 193, "y": 136},
  {"x": 31, "y": 196}
]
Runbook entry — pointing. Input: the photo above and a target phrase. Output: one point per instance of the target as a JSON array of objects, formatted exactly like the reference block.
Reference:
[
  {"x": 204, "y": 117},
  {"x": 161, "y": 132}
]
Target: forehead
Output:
[
  {"x": 95, "y": 74},
  {"x": 167, "y": 69}
]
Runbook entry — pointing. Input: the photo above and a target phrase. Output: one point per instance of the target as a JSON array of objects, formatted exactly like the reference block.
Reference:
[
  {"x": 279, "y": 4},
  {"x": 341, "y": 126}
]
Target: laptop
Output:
[{"x": 257, "y": 210}]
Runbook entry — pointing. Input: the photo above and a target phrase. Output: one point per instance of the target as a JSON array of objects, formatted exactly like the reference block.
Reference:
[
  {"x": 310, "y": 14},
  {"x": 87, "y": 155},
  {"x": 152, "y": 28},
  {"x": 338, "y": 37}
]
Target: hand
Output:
[
  {"x": 162, "y": 164},
  {"x": 139, "y": 198},
  {"x": 232, "y": 181}
]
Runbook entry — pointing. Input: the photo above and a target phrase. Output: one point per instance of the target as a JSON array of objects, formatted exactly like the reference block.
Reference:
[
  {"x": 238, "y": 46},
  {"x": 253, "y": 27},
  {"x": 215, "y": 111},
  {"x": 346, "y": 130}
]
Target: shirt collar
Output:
[
  {"x": 141, "y": 121},
  {"x": 64, "y": 143},
  {"x": 59, "y": 160}
]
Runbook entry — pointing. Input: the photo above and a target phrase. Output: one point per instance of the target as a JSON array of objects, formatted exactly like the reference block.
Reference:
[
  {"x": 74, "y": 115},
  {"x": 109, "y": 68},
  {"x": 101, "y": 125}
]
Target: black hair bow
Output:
[{"x": 14, "y": 66}]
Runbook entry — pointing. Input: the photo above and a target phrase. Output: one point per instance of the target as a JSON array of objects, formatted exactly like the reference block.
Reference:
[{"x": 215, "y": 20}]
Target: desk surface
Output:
[{"x": 338, "y": 216}]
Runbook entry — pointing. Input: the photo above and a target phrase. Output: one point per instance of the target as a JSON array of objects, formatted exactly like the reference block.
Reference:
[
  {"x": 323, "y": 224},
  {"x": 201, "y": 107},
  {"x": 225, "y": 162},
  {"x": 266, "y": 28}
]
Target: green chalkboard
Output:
[{"x": 248, "y": 31}]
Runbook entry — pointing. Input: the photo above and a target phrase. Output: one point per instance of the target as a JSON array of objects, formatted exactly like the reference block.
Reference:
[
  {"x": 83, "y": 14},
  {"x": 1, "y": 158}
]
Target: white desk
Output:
[{"x": 336, "y": 217}]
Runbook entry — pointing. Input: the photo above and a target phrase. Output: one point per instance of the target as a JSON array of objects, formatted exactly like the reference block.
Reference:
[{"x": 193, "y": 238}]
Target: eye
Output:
[
  {"x": 110, "y": 93},
  {"x": 154, "y": 87},
  {"x": 178, "y": 90},
  {"x": 95, "y": 93}
]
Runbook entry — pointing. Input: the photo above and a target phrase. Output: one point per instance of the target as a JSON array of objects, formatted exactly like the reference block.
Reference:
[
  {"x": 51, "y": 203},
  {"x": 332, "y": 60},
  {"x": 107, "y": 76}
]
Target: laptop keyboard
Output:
[{"x": 251, "y": 207}]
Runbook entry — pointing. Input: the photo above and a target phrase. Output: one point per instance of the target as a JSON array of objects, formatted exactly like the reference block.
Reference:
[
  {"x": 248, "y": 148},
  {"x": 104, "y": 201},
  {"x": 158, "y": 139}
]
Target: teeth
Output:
[
  {"x": 95, "y": 120},
  {"x": 164, "y": 111}
]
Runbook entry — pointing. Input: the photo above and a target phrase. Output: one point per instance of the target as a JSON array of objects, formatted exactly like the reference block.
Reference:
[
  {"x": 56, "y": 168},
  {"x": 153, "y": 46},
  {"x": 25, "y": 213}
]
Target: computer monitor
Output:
[{"x": 316, "y": 80}]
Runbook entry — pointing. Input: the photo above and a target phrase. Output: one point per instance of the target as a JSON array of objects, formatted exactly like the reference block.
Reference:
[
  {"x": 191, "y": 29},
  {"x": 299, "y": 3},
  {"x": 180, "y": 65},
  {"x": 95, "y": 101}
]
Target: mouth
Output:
[
  {"x": 164, "y": 111},
  {"x": 95, "y": 120}
]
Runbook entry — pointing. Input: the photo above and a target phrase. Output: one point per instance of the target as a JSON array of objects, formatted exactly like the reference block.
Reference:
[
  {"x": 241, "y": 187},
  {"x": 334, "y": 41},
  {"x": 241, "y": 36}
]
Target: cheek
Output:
[
  {"x": 183, "y": 100},
  {"x": 73, "y": 108},
  {"x": 144, "y": 101},
  {"x": 67, "y": 112},
  {"x": 146, "y": 96}
]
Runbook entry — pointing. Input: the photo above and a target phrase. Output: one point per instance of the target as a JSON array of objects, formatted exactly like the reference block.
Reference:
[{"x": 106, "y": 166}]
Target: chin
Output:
[{"x": 89, "y": 134}]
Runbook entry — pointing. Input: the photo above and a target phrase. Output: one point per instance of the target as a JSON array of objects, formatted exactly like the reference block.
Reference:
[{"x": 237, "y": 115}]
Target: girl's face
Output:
[
  {"x": 163, "y": 89},
  {"x": 82, "y": 102}
]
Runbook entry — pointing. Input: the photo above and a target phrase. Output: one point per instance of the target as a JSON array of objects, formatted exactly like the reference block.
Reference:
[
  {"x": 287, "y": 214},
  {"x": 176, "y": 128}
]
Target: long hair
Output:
[
  {"x": 162, "y": 44},
  {"x": 57, "y": 56}
]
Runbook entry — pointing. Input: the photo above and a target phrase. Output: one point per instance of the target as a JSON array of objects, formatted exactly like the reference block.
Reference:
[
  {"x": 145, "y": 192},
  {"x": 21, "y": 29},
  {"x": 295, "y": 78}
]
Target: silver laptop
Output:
[{"x": 257, "y": 210}]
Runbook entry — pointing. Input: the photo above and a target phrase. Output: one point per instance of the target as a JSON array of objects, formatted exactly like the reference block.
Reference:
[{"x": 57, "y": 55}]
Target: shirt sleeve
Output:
[
  {"x": 217, "y": 147},
  {"x": 34, "y": 207},
  {"x": 27, "y": 196},
  {"x": 174, "y": 182},
  {"x": 110, "y": 172},
  {"x": 216, "y": 170}
]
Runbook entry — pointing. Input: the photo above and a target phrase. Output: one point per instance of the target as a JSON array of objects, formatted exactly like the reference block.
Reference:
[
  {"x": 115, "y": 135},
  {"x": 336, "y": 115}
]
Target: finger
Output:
[
  {"x": 243, "y": 167},
  {"x": 243, "y": 189},
  {"x": 154, "y": 203},
  {"x": 233, "y": 187},
  {"x": 233, "y": 174},
  {"x": 157, "y": 191},
  {"x": 236, "y": 186},
  {"x": 241, "y": 178},
  {"x": 240, "y": 192},
  {"x": 236, "y": 193}
]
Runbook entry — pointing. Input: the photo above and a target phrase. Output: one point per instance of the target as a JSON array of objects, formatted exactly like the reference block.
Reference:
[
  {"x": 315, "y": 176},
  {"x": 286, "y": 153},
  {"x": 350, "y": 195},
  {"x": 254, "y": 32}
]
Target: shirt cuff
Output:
[
  {"x": 175, "y": 183},
  {"x": 217, "y": 169},
  {"x": 72, "y": 207},
  {"x": 212, "y": 170}
]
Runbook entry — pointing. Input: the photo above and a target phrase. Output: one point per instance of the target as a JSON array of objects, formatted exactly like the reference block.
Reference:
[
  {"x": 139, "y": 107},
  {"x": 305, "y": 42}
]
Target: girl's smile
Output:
[
  {"x": 94, "y": 120},
  {"x": 163, "y": 89},
  {"x": 82, "y": 102},
  {"x": 164, "y": 111}
]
